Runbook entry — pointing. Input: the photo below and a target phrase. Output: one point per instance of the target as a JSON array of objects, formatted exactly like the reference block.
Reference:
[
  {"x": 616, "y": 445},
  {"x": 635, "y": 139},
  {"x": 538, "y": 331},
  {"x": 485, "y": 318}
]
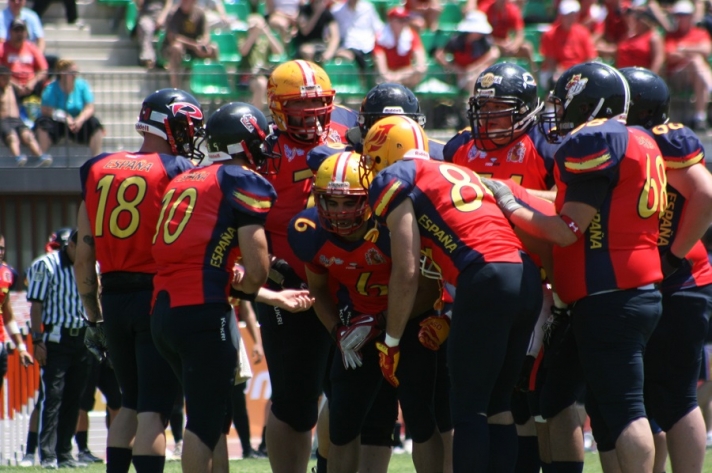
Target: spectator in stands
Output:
[
  {"x": 25, "y": 60},
  {"x": 592, "y": 16},
  {"x": 186, "y": 34},
  {"x": 359, "y": 24},
  {"x": 17, "y": 9},
  {"x": 399, "y": 54},
  {"x": 317, "y": 36},
  {"x": 687, "y": 49},
  {"x": 68, "y": 111},
  {"x": 614, "y": 27},
  {"x": 642, "y": 46},
  {"x": 423, "y": 13},
  {"x": 70, "y": 7},
  {"x": 282, "y": 17},
  {"x": 255, "y": 50},
  {"x": 152, "y": 15},
  {"x": 566, "y": 44},
  {"x": 12, "y": 128},
  {"x": 472, "y": 49},
  {"x": 508, "y": 30},
  {"x": 216, "y": 16}
]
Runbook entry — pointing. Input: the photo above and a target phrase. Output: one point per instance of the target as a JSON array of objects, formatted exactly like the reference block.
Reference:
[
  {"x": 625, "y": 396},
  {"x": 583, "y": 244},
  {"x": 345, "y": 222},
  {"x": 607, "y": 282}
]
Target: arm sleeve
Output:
[
  {"x": 38, "y": 276},
  {"x": 591, "y": 191}
]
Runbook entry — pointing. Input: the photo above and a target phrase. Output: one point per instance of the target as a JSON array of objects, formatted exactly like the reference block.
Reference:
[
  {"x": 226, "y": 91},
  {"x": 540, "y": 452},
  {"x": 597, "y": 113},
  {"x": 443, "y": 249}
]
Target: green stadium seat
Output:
[
  {"x": 450, "y": 16},
  {"x": 131, "y": 16},
  {"x": 345, "y": 79},
  {"x": 519, "y": 61},
  {"x": 210, "y": 79},
  {"x": 240, "y": 10},
  {"x": 437, "y": 84},
  {"x": 538, "y": 11},
  {"x": 227, "y": 47}
]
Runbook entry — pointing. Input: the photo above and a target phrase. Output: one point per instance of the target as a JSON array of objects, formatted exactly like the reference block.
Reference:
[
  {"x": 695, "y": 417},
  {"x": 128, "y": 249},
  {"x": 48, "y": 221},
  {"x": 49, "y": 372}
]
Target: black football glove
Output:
[
  {"x": 670, "y": 263},
  {"x": 556, "y": 325},
  {"x": 281, "y": 274},
  {"x": 95, "y": 340}
]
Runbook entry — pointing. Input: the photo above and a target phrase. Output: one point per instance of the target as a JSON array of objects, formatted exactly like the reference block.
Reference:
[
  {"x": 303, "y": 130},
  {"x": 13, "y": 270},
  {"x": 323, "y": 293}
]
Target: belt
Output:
[
  {"x": 69, "y": 332},
  {"x": 647, "y": 287}
]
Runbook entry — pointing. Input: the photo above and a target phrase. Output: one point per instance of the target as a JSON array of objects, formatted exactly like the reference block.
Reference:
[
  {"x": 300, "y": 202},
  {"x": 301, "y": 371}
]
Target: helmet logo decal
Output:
[
  {"x": 379, "y": 138},
  {"x": 528, "y": 79},
  {"x": 573, "y": 87},
  {"x": 188, "y": 109},
  {"x": 488, "y": 80},
  {"x": 247, "y": 120}
]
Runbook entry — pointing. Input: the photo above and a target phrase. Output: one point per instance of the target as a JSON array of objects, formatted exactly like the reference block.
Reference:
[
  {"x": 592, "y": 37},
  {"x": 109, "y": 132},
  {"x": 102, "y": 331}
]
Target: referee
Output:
[{"x": 59, "y": 348}]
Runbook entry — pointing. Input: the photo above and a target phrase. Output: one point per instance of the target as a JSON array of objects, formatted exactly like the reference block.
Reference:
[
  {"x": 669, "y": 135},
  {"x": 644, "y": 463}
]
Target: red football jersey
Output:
[
  {"x": 619, "y": 248},
  {"x": 681, "y": 148},
  {"x": 361, "y": 268},
  {"x": 542, "y": 206},
  {"x": 122, "y": 192},
  {"x": 528, "y": 161},
  {"x": 457, "y": 218},
  {"x": 196, "y": 242},
  {"x": 293, "y": 185}
]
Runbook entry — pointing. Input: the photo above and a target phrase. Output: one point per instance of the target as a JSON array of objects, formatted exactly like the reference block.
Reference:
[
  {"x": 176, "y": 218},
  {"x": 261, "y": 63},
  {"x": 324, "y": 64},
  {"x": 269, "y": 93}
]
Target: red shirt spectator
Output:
[
  {"x": 615, "y": 28},
  {"x": 504, "y": 19},
  {"x": 567, "y": 44},
  {"x": 673, "y": 41},
  {"x": 398, "y": 53},
  {"x": 642, "y": 46},
  {"x": 25, "y": 61}
]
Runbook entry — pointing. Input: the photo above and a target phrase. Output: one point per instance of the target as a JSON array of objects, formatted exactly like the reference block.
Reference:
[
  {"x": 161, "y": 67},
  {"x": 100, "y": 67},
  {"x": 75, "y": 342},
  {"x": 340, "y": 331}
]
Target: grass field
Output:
[{"x": 399, "y": 464}]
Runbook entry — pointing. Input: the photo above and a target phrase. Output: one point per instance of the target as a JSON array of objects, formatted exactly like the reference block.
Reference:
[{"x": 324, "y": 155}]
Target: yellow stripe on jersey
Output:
[
  {"x": 386, "y": 198},
  {"x": 589, "y": 164},
  {"x": 302, "y": 175},
  {"x": 257, "y": 204},
  {"x": 685, "y": 163}
]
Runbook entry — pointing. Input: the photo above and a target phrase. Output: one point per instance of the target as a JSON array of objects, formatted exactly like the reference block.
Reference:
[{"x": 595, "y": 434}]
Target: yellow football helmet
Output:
[
  {"x": 301, "y": 82},
  {"x": 388, "y": 141},
  {"x": 338, "y": 176}
]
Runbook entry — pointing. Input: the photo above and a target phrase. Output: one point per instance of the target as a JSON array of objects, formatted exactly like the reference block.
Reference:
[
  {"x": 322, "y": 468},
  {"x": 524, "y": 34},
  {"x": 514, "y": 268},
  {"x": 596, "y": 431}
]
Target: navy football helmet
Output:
[
  {"x": 237, "y": 129},
  {"x": 649, "y": 97}
]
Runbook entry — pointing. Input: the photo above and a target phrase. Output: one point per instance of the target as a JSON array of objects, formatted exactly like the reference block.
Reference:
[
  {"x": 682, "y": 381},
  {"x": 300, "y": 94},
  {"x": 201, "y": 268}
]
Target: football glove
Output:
[
  {"x": 353, "y": 337},
  {"x": 281, "y": 274},
  {"x": 434, "y": 330},
  {"x": 95, "y": 340},
  {"x": 388, "y": 358},
  {"x": 503, "y": 194}
]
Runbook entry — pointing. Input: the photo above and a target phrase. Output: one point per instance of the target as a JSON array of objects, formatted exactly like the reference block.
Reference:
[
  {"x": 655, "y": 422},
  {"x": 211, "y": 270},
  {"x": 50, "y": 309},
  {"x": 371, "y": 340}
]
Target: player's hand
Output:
[
  {"x": 238, "y": 274},
  {"x": 294, "y": 300},
  {"x": 361, "y": 330},
  {"x": 258, "y": 353},
  {"x": 503, "y": 194},
  {"x": 25, "y": 358},
  {"x": 434, "y": 330},
  {"x": 284, "y": 276},
  {"x": 388, "y": 358},
  {"x": 669, "y": 263},
  {"x": 350, "y": 357},
  {"x": 95, "y": 341}
]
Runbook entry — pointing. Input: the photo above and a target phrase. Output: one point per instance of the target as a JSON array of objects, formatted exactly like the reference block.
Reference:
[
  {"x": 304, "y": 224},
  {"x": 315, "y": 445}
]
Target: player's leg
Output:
[
  {"x": 612, "y": 331},
  {"x": 377, "y": 431},
  {"x": 297, "y": 350},
  {"x": 443, "y": 417},
  {"x": 417, "y": 372},
  {"x": 672, "y": 361}
]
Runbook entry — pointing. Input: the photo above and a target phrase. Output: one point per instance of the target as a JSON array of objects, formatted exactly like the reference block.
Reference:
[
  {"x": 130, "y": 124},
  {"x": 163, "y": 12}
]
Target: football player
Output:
[
  {"x": 503, "y": 141},
  {"x": 208, "y": 214},
  {"x": 117, "y": 219},
  {"x": 301, "y": 100},
  {"x": 348, "y": 266},
  {"x": 671, "y": 373},
  {"x": 445, "y": 208},
  {"x": 611, "y": 195}
]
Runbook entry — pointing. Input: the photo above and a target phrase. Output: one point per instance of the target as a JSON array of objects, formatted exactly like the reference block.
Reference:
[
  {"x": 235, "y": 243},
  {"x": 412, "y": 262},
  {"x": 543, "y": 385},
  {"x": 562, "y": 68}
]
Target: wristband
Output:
[
  {"x": 12, "y": 327},
  {"x": 37, "y": 337},
  {"x": 573, "y": 226},
  {"x": 21, "y": 347},
  {"x": 391, "y": 341},
  {"x": 243, "y": 295}
]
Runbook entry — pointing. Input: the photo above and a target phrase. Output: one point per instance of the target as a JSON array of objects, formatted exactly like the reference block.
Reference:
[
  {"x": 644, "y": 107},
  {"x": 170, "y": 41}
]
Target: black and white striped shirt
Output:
[{"x": 51, "y": 282}]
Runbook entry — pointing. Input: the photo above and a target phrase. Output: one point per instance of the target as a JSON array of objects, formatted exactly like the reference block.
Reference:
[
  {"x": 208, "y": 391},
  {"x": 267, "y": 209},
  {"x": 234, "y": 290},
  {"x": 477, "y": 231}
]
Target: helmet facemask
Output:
[
  {"x": 353, "y": 215},
  {"x": 307, "y": 125},
  {"x": 521, "y": 118}
]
